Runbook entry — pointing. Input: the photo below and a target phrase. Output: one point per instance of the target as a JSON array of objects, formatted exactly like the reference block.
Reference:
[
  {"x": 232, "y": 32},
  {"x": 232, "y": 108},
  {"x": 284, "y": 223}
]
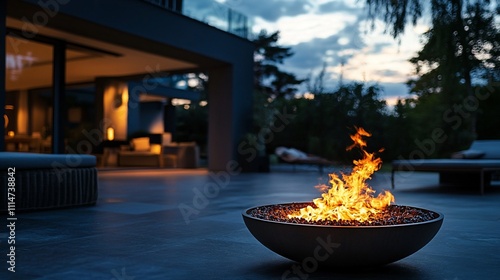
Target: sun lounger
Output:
[
  {"x": 294, "y": 156},
  {"x": 472, "y": 166}
]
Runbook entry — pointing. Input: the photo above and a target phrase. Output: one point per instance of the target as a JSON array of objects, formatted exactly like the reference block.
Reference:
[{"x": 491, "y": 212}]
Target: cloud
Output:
[
  {"x": 388, "y": 73},
  {"x": 337, "y": 6},
  {"x": 391, "y": 92},
  {"x": 334, "y": 50},
  {"x": 379, "y": 47},
  {"x": 270, "y": 10},
  {"x": 338, "y": 33}
]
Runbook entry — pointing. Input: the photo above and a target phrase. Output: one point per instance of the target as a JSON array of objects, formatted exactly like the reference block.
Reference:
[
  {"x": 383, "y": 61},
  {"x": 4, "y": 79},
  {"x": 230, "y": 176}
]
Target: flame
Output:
[{"x": 349, "y": 197}]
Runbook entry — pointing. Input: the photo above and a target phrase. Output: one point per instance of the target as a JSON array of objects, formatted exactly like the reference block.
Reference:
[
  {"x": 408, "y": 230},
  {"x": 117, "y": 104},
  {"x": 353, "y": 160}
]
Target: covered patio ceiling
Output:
[{"x": 29, "y": 63}]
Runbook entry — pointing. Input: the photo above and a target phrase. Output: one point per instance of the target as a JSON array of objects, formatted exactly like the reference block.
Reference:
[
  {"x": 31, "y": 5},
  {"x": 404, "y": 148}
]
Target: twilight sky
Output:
[{"x": 332, "y": 32}]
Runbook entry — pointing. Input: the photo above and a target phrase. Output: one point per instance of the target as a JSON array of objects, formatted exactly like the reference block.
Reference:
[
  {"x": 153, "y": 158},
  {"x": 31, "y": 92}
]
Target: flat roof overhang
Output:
[
  {"x": 132, "y": 42},
  {"x": 139, "y": 25},
  {"x": 83, "y": 64}
]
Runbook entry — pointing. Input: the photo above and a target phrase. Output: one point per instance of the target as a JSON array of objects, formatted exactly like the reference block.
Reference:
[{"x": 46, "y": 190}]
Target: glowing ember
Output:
[{"x": 349, "y": 198}]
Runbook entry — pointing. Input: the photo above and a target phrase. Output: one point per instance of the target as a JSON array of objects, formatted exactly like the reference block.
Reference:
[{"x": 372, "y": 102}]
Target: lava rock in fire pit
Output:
[{"x": 392, "y": 215}]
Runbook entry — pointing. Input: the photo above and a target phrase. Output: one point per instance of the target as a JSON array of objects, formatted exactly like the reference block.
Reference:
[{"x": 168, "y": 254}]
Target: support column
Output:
[
  {"x": 101, "y": 122},
  {"x": 220, "y": 118},
  {"x": 58, "y": 102},
  {"x": 3, "y": 39},
  {"x": 229, "y": 112},
  {"x": 169, "y": 117}
]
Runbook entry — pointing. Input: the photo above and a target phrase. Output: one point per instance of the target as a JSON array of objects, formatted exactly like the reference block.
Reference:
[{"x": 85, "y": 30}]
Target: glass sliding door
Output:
[{"x": 28, "y": 109}]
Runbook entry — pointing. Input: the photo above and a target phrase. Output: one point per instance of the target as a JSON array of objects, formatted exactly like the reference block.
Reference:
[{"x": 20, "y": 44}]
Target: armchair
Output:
[{"x": 141, "y": 152}]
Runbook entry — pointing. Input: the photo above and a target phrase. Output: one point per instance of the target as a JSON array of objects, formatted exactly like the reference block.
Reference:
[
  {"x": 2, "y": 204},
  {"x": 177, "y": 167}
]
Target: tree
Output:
[
  {"x": 462, "y": 45},
  {"x": 271, "y": 85},
  {"x": 322, "y": 125},
  {"x": 397, "y": 14},
  {"x": 317, "y": 85},
  {"x": 268, "y": 55}
]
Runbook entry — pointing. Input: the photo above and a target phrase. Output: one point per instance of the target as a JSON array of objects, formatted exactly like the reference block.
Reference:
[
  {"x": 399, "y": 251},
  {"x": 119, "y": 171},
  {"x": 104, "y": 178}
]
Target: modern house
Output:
[{"x": 75, "y": 68}]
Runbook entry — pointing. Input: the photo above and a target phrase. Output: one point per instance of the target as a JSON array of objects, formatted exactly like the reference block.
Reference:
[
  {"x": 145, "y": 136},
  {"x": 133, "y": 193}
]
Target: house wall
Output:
[
  {"x": 136, "y": 24},
  {"x": 116, "y": 109},
  {"x": 151, "y": 117}
]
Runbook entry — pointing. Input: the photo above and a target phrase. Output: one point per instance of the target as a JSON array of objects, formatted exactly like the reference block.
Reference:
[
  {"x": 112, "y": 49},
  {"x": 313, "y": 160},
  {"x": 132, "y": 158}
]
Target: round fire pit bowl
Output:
[{"x": 342, "y": 246}]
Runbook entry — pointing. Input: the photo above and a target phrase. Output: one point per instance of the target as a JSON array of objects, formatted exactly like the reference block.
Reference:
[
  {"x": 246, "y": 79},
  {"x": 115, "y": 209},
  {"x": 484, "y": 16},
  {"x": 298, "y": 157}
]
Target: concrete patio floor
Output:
[{"x": 138, "y": 231}]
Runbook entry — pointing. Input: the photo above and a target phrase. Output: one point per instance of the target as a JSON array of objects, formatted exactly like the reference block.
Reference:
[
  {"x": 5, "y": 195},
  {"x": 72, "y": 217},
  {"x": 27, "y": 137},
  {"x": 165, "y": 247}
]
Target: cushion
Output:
[
  {"x": 468, "y": 154},
  {"x": 290, "y": 153},
  {"x": 155, "y": 149},
  {"x": 141, "y": 144},
  {"x": 21, "y": 160},
  {"x": 438, "y": 165},
  {"x": 280, "y": 150},
  {"x": 166, "y": 138},
  {"x": 296, "y": 154},
  {"x": 187, "y": 144},
  {"x": 491, "y": 148}
]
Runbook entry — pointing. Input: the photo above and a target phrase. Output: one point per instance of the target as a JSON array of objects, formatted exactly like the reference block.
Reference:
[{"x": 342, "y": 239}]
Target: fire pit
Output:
[
  {"x": 347, "y": 226},
  {"x": 340, "y": 245}
]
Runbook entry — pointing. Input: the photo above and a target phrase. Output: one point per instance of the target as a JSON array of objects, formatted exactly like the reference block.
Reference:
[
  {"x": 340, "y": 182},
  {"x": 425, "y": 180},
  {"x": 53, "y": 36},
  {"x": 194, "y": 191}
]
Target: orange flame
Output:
[{"x": 349, "y": 197}]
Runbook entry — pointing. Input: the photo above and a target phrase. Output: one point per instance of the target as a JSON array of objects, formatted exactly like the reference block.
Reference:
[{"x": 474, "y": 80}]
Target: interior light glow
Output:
[
  {"x": 110, "y": 133},
  {"x": 178, "y": 102}
]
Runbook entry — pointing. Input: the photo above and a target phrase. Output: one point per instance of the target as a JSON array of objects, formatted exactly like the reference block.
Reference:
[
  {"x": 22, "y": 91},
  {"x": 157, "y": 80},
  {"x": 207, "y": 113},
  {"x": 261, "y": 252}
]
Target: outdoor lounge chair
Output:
[
  {"x": 294, "y": 156},
  {"x": 473, "y": 166},
  {"x": 46, "y": 181}
]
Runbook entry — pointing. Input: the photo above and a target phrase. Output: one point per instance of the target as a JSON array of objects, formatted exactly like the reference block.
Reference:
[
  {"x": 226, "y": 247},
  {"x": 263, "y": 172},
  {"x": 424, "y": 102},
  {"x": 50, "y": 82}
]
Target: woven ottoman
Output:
[{"x": 46, "y": 181}]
